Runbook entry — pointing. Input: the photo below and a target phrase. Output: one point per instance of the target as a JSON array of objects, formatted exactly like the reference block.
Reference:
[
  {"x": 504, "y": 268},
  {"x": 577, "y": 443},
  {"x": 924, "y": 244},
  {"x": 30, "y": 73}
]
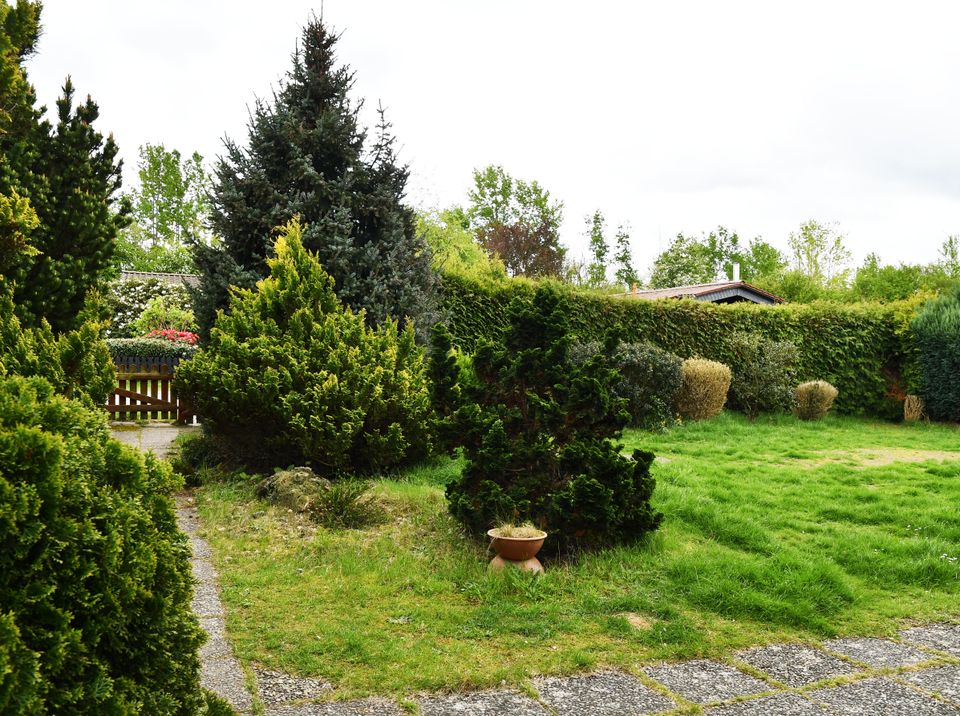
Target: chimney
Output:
[{"x": 736, "y": 271}]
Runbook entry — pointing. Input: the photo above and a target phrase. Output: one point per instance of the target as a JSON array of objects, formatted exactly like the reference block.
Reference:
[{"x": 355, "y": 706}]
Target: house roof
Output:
[
  {"x": 714, "y": 292},
  {"x": 176, "y": 279}
]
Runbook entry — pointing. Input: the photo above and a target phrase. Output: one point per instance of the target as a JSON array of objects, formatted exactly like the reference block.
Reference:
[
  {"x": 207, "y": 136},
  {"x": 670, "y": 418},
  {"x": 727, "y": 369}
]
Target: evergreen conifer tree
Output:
[
  {"x": 69, "y": 175},
  {"x": 597, "y": 270},
  {"x": 308, "y": 156},
  {"x": 626, "y": 274}
]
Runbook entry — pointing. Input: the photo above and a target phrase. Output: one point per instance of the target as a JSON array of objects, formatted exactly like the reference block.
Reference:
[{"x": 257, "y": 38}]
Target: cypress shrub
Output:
[
  {"x": 812, "y": 400},
  {"x": 937, "y": 330},
  {"x": 95, "y": 581},
  {"x": 539, "y": 434},
  {"x": 703, "y": 390},
  {"x": 763, "y": 374},
  {"x": 291, "y": 376}
]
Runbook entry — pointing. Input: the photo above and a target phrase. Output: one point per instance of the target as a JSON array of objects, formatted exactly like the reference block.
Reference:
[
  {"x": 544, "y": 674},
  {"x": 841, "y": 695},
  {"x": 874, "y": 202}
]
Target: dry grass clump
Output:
[
  {"x": 913, "y": 409},
  {"x": 703, "y": 392},
  {"x": 813, "y": 399},
  {"x": 518, "y": 531}
]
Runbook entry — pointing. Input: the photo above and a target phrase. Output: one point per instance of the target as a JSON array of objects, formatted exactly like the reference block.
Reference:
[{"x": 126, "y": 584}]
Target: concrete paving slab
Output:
[
  {"x": 225, "y": 678},
  {"x": 606, "y": 693},
  {"x": 944, "y": 637},
  {"x": 484, "y": 703},
  {"x": 275, "y": 687},
  {"x": 705, "y": 682},
  {"x": 943, "y": 680},
  {"x": 364, "y": 707},
  {"x": 878, "y": 653},
  {"x": 777, "y": 705},
  {"x": 794, "y": 664},
  {"x": 880, "y": 697}
]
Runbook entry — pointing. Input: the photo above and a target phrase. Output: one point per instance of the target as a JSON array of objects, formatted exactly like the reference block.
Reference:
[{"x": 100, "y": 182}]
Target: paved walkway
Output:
[
  {"x": 157, "y": 436},
  {"x": 918, "y": 674}
]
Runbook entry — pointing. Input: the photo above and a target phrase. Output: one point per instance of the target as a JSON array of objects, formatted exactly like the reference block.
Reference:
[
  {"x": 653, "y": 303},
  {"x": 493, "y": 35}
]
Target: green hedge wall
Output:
[
  {"x": 858, "y": 347},
  {"x": 150, "y": 348}
]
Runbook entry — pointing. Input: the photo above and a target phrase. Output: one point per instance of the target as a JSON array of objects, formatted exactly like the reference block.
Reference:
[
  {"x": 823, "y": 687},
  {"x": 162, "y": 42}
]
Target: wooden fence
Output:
[{"x": 145, "y": 392}]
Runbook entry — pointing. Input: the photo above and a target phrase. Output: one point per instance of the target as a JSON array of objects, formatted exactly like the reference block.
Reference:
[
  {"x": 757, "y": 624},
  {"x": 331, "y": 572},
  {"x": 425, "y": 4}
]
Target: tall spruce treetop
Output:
[{"x": 308, "y": 156}]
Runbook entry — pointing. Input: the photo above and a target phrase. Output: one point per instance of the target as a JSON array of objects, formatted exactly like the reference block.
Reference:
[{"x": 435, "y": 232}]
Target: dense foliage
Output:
[
  {"x": 307, "y": 156},
  {"x": 162, "y": 313},
  {"x": 291, "y": 376},
  {"x": 763, "y": 374},
  {"x": 861, "y": 349},
  {"x": 150, "y": 347},
  {"x": 937, "y": 330},
  {"x": 169, "y": 208},
  {"x": 95, "y": 580},
  {"x": 538, "y": 434},
  {"x": 703, "y": 389},
  {"x": 129, "y": 298},
  {"x": 649, "y": 380},
  {"x": 812, "y": 400},
  {"x": 76, "y": 363}
]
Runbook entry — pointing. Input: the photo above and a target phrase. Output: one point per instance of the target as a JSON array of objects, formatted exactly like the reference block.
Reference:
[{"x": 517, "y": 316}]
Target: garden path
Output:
[{"x": 917, "y": 674}]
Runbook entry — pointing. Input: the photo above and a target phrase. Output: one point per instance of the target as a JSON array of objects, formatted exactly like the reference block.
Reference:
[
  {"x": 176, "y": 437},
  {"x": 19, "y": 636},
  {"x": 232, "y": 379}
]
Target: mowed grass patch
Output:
[{"x": 758, "y": 545}]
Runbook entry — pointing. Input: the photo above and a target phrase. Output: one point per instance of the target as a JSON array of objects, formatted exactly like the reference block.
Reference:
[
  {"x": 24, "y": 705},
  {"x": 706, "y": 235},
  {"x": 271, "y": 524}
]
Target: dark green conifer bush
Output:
[
  {"x": 291, "y": 376},
  {"x": 95, "y": 581},
  {"x": 538, "y": 433},
  {"x": 650, "y": 379},
  {"x": 763, "y": 374},
  {"x": 937, "y": 330}
]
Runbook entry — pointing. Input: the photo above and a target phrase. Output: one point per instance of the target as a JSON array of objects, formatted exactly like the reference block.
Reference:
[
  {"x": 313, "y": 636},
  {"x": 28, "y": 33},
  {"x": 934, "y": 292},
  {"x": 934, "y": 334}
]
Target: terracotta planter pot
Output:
[{"x": 519, "y": 551}]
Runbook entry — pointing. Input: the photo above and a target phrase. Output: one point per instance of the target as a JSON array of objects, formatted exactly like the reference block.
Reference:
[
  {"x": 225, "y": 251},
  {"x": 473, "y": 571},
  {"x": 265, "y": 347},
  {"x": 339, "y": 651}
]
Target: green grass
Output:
[{"x": 776, "y": 530}]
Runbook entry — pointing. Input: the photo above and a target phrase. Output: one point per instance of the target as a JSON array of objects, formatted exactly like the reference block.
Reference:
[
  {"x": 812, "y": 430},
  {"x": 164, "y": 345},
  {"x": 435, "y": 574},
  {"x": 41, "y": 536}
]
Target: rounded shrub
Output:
[
  {"x": 538, "y": 433},
  {"x": 292, "y": 377},
  {"x": 813, "y": 399},
  {"x": 649, "y": 381},
  {"x": 703, "y": 389},
  {"x": 95, "y": 581},
  {"x": 763, "y": 374}
]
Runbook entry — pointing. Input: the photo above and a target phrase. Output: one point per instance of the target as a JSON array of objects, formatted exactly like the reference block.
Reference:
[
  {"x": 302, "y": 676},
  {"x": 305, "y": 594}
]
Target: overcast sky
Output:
[{"x": 671, "y": 116}]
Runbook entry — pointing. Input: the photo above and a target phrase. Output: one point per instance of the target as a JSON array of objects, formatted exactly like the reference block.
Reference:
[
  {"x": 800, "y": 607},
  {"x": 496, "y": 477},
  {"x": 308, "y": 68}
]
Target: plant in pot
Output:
[
  {"x": 539, "y": 436},
  {"x": 517, "y": 546}
]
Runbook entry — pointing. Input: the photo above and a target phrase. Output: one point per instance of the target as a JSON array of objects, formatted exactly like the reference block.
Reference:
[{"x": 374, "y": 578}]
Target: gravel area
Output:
[
  {"x": 364, "y": 707},
  {"x": 275, "y": 687}
]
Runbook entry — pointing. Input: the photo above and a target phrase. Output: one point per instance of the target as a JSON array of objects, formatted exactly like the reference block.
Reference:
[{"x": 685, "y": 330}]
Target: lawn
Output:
[{"x": 776, "y": 530}]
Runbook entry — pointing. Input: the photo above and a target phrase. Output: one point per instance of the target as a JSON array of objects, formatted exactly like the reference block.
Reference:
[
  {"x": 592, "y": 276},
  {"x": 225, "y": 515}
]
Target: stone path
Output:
[
  {"x": 916, "y": 675},
  {"x": 156, "y": 436}
]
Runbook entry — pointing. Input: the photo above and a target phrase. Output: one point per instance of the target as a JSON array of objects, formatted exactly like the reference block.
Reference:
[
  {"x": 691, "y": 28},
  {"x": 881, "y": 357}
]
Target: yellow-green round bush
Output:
[
  {"x": 813, "y": 399},
  {"x": 703, "y": 391}
]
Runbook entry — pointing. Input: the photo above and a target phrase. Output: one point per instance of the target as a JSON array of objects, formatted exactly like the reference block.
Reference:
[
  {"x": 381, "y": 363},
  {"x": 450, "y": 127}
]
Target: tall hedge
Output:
[
  {"x": 858, "y": 348},
  {"x": 937, "y": 328},
  {"x": 95, "y": 580}
]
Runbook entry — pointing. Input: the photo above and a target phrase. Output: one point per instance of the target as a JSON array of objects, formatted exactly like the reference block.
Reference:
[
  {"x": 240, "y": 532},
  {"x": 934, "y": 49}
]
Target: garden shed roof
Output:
[
  {"x": 176, "y": 279},
  {"x": 719, "y": 292}
]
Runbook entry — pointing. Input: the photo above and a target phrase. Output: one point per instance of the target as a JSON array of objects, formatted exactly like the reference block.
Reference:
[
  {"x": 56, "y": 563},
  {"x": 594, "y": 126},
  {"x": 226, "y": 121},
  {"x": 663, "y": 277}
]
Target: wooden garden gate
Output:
[{"x": 145, "y": 392}]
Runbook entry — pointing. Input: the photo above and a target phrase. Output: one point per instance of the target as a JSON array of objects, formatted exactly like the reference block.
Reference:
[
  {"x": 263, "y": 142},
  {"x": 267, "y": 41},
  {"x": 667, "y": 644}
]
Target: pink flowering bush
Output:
[{"x": 172, "y": 334}]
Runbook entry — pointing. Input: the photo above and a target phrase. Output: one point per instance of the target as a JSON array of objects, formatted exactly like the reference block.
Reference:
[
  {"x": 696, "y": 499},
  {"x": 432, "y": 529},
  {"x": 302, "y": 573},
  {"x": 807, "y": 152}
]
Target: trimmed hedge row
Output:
[
  {"x": 859, "y": 348},
  {"x": 150, "y": 348}
]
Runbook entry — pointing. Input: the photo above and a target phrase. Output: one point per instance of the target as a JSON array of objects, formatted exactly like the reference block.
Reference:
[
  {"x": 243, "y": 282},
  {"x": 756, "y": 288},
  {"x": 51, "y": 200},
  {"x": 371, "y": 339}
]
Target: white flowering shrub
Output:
[{"x": 129, "y": 299}]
